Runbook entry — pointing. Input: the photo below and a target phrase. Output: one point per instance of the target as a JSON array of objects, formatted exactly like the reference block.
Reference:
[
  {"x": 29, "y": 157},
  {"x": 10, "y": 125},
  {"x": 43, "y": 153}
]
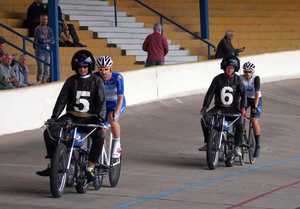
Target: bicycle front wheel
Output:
[
  {"x": 212, "y": 153},
  {"x": 58, "y": 173},
  {"x": 115, "y": 171},
  {"x": 251, "y": 142}
]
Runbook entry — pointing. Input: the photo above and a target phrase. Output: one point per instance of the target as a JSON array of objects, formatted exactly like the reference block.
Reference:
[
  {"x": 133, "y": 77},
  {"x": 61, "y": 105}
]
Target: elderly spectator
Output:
[
  {"x": 21, "y": 71},
  {"x": 2, "y": 42},
  {"x": 34, "y": 11},
  {"x": 7, "y": 77},
  {"x": 43, "y": 36},
  {"x": 225, "y": 47},
  {"x": 156, "y": 45}
]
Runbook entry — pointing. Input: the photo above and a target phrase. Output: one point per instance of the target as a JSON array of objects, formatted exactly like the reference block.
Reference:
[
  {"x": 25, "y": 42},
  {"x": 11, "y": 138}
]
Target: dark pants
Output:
[
  {"x": 238, "y": 125},
  {"x": 153, "y": 63},
  {"x": 97, "y": 136}
]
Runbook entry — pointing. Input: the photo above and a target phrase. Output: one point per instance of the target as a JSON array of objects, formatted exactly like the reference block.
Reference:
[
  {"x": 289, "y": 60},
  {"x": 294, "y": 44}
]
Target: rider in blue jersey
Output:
[
  {"x": 115, "y": 99},
  {"x": 254, "y": 100}
]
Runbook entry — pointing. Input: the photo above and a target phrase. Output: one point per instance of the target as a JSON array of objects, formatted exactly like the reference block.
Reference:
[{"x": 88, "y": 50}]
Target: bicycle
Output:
[
  {"x": 248, "y": 145},
  {"x": 70, "y": 159},
  {"x": 107, "y": 165},
  {"x": 220, "y": 143}
]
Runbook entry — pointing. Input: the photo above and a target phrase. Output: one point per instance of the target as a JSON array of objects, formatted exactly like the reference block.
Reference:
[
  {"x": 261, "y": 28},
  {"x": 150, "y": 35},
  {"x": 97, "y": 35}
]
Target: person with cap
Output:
[
  {"x": 229, "y": 96},
  {"x": 83, "y": 96}
]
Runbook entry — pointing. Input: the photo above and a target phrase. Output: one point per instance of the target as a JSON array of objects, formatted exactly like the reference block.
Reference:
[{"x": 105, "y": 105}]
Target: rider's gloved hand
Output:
[
  {"x": 116, "y": 116},
  {"x": 243, "y": 112},
  {"x": 203, "y": 111}
]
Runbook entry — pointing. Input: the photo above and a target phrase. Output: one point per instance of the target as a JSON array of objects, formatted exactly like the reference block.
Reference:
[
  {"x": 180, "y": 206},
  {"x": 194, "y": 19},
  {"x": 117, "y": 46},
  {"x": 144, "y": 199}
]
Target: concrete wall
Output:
[{"x": 28, "y": 108}]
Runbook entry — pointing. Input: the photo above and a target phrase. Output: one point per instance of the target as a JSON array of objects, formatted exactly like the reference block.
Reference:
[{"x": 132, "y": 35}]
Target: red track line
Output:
[{"x": 262, "y": 195}]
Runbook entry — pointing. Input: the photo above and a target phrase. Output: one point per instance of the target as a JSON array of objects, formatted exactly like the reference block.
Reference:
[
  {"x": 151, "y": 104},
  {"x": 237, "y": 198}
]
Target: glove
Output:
[{"x": 116, "y": 116}]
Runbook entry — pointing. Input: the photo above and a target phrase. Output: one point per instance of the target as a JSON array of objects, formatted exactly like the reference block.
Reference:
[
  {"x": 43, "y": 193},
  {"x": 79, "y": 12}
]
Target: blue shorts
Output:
[
  {"x": 257, "y": 113},
  {"x": 112, "y": 109}
]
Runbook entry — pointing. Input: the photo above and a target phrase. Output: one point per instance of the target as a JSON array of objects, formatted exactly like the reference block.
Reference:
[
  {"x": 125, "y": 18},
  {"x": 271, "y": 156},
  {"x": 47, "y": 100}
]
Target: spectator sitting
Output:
[
  {"x": 21, "y": 71},
  {"x": 7, "y": 77},
  {"x": 34, "y": 11},
  {"x": 225, "y": 47},
  {"x": 2, "y": 42},
  {"x": 157, "y": 47},
  {"x": 67, "y": 33},
  {"x": 43, "y": 36}
]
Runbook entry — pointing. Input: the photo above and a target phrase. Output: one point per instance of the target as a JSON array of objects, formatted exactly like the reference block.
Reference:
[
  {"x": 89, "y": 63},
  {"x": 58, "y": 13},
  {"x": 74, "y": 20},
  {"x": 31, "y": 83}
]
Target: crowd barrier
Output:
[{"x": 28, "y": 108}]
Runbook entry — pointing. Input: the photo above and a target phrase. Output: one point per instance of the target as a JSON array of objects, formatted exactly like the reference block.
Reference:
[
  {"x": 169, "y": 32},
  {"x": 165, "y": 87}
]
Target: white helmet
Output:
[
  {"x": 104, "y": 61},
  {"x": 248, "y": 66}
]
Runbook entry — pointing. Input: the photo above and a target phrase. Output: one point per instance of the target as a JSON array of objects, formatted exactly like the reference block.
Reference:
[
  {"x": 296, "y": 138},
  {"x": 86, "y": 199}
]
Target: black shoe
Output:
[
  {"x": 45, "y": 172},
  {"x": 256, "y": 152}
]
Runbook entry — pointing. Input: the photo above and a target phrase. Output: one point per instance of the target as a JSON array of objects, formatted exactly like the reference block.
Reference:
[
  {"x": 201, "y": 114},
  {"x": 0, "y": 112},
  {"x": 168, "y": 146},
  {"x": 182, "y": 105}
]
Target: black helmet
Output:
[
  {"x": 83, "y": 58},
  {"x": 231, "y": 60}
]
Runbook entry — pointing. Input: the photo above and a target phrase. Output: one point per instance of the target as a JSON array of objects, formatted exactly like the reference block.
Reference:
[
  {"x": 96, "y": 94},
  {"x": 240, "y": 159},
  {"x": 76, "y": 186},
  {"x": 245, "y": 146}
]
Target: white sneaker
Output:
[
  {"x": 238, "y": 151},
  {"x": 117, "y": 150}
]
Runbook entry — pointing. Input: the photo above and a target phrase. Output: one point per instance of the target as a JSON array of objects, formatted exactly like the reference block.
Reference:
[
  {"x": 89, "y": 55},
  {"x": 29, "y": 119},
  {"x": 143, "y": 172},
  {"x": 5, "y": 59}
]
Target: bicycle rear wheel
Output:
[
  {"x": 58, "y": 173},
  {"x": 212, "y": 153}
]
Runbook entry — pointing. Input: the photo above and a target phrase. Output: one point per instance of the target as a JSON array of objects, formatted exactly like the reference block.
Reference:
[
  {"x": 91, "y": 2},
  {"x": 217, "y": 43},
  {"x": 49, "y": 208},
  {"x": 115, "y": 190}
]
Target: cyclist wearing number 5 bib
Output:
[
  {"x": 83, "y": 96},
  {"x": 228, "y": 93}
]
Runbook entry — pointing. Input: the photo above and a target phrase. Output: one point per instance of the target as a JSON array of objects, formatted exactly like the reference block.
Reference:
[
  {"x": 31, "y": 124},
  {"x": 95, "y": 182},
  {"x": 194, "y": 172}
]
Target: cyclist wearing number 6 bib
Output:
[
  {"x": 228, "y": 92},
  {"x": 83, "y": 96}
]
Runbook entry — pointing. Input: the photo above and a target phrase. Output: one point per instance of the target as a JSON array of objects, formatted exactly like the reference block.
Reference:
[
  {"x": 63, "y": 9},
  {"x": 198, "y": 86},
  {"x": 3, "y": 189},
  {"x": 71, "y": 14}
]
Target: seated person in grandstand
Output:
[
  {"x": 21, "y": 71},
  {"x": 34, "y": 11},
  {"x": 2, "y": 42},
  {"x": 254, "y": 101},
  {"x": 7, "y": 77},
  {"x": 67, "y": 32},
  {"x": 115, "y": 99}
]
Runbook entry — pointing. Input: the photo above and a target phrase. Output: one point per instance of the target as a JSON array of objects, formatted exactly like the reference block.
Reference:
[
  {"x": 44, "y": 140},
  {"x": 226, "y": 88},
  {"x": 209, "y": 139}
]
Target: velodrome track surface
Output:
[{"x": 162, "y": 167}]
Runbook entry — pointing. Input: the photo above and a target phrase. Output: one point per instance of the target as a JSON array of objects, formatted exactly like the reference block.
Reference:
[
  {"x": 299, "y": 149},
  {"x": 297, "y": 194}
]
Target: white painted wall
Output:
[{"x": 28, "y": 108}]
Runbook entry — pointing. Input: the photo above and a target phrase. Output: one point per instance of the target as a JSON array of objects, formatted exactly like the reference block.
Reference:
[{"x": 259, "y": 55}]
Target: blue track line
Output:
[{"x": 229, "y": 176}]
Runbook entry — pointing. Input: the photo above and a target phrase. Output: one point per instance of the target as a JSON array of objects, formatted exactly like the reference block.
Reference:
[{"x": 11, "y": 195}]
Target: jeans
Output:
[{"x": 43, "y": 72}]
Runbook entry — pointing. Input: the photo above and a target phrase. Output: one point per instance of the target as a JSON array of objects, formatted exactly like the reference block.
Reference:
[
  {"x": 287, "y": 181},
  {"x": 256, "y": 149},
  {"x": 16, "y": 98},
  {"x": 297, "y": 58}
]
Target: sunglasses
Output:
[
  {"x": 103, "y": 69},
  {"x": 248, "y": 72}
]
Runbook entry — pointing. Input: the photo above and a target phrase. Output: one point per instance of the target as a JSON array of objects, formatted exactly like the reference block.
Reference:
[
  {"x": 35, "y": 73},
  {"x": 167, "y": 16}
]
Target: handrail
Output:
[
  {"x": 174, "y": 23},
  {"x": 24, "y": 38}
]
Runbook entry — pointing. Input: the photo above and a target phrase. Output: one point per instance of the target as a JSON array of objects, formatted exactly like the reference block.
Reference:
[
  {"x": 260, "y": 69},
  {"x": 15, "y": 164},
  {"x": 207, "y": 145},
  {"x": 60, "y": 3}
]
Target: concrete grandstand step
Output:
[
  {"x": 101, "y": 18},
  {"x": 110, "y": 24},
  {"x": 94, "y": 13},
  {"x": 85, "y": 2},
  {"x": 121, "y": 30},
  {"x": 87, "y": 8},
  {"x": 175, "y": 59},
  {"x": 128, "y": 41},
  {"x": 122, "y": 35},
  {"x": 138, "y": 46},
  {"x": 171, "y": 52}
]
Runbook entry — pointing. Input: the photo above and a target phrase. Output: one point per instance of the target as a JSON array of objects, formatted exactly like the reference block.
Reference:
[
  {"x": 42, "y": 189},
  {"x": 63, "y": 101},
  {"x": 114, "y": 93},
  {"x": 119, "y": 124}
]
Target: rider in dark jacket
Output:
[
  {"x": 229, "y": 96},
  {"x": 83, "y": 96}
]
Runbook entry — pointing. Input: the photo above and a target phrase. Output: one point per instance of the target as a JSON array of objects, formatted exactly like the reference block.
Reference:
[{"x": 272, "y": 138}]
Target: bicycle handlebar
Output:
[
  {"x": 224, "y": 114},
  {"x": 72, "y": 124}
]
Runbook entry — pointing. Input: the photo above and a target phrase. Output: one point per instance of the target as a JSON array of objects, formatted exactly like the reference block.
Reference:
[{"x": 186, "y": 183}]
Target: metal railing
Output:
[
  {"x": 24, "y": 39},
  {"x": 162, "y": 18}
]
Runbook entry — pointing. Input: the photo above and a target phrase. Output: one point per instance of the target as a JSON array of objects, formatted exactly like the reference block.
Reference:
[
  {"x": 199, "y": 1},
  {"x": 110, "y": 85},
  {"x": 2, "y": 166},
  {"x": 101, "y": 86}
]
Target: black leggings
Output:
[{"x": 97, "y": 137}]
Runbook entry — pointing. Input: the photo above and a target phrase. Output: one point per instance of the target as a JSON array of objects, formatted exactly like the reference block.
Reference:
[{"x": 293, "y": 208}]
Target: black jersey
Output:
[
  {"x": 82, "y": 95},
  {"x": 227, "y": 93}
]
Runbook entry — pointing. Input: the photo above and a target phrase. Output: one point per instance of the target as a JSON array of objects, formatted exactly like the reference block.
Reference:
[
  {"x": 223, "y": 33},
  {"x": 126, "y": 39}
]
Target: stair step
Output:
[
  {"x": 99, "y": 18},
  {"x": 171, "y": 52},
  {"x": 94, "y": 13},
  {"x": 139, "y": 46},
  {"x": 123, "y": 35},
  {"x": 85, "y": 2},
  {"x": 111, "y": 24},
  {"x": 86, "y": 8},
  {"x": 121, "y": 30},
  {"x": 176, "y": 59}
]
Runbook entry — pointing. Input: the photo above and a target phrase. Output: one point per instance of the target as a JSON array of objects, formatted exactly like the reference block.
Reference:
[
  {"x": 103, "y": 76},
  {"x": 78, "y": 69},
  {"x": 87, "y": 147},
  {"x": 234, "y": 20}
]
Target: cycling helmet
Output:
[
  {"x": 231, "y": 60},
  {"x": 83, "y": 58},
  {"x": 104, "y": 61},
  {"x": 248, "y": 66}
]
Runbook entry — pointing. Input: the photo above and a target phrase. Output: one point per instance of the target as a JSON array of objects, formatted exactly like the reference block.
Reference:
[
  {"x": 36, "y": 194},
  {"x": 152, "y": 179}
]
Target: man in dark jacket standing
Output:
[
  {"x": 225, "y": 47},
  {"x": 34, "y": 11},
  {"x": 156, "y": 45}
]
